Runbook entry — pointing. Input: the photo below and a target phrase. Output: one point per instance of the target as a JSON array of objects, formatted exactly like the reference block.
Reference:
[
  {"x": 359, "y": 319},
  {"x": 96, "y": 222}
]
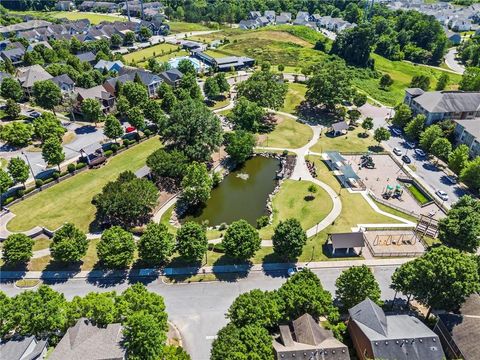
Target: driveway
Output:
[{"x": 198, "y": 309}]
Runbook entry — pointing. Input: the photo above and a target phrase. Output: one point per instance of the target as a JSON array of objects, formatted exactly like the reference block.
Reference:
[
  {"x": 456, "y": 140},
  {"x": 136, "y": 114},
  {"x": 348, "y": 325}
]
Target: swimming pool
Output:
[{"x": 196, "y": 63}]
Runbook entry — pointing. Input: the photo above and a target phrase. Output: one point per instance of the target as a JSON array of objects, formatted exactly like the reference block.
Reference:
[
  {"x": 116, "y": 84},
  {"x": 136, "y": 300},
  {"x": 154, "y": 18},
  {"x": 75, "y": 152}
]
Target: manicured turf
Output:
[
  {"x": 163, "y": 58},
  {"x": 70, "y": 200},
  {"x": 145, "y": 54},
  {"x": 417, "y": 194},
  {"x": 180, "y": 27},
  {"x": 94, "y": 18},
  {"x": 295, "y": 95},
  {"x": 393, "y": 211},
  {"x": 351, "y": 142},
  {"x": 289, "y": 133}
]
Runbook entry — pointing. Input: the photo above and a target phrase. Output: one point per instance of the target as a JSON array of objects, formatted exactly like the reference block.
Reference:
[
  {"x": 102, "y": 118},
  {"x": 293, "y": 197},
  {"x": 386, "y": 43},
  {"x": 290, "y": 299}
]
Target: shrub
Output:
[
  {"x": 147, "y": 132},
  {"x": 108, "y": 153},
  {"x": 38, "y": 183},
  {"x": 8, "y": 200},
  {"x": 114, "y": 148},
  {"x": 262, "y": 221},
  {"x": 126, "y": 142},
  {"x": 55, "y": 175},
  {"x": 285, "y": 153},
  {"x": 71, "y": 168},
  {"x": 20, "y": 192},
  {"x": 49, "y": 180},
  {"x": 81, "y": 165}
]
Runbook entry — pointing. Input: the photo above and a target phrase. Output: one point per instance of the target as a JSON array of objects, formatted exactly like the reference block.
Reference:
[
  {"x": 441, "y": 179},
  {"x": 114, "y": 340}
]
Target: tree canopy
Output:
[
  {"x": 265, "y": 88},
  {"x": 239, "y": 145},
  {"x": 356, "y": 284},
  {"x": 47, "y": 94},
  {"x": 192, "y": 241},
  {"x": 171, "y": 163},
  {"x": 289, "y": 238},
  {"x": 17, "y": 248},
  {"x": 241, "y": 240},
  {"x": 354, "y": 45},
  {"x": 18, "y": 170},
  {"x": 247, "y": 115},
  {"x": 196, "y": 185},
  {"x": 69, "y": 244},
  {"x": 156, "y": 244},
  {"x": 116, "y": 248}
]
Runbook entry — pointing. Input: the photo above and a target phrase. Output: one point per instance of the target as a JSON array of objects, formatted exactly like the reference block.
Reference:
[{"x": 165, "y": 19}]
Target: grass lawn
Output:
[
  {"x": 163, "y": 58},
  {"x": 393, "y": 211},
  {"x": 351, "y": 142},
  {"x": 180, "y": 26},
  {"x": 41, "y": 243},
  {"x": 94, "y": 18},
  {"x": 145, "y": 54},
  {"x": 417, "y": 193},
  {"x": 291, "y": 201},
  {"x": 3, "y": 163},
  {"x": 220, "y": 103},
  {"x": 288, "y": 133},
  {"x": 402, "y": 73},
  {"x": 70, "y": 200},
  {"x": 295, "y": 95}
]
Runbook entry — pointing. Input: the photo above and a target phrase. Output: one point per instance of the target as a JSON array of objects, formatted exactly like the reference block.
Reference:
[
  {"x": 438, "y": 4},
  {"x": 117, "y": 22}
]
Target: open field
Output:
[
  {"x": 95, "y": 18},
  {"x": 351, "y": 142},
  {"x": 70, "y": 200},
  {"x": 288, "y": 133},
  {"x": 145, "y": 54},
  {"x": 295, "y": 95},
  {"x": 180, "y": 26}
]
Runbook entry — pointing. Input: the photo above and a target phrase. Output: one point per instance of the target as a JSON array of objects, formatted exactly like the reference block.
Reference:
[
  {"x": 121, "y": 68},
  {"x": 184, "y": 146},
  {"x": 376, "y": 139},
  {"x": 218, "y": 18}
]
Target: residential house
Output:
[
  {"x": 300, "y": 21},
  {"x": 135, "y": 8},
  {"x": 305, "y": 16},
  {"x": 172, "y": 77},
  {"x": 34, "y": 45},
  {"x": 156, "y": 25},
  {"x": 468, "y": 132},
  {"x": 443, "y": 105},
  {"x": 65, "y": 83},
  {"x": 4, "y": 44},
  {"x": 282, "y": 20},
  {"x": 23, "y": 26},
  {"x": 287, "y": 15},
  {"x": 85, "y": 341},
  {"x": 98, "y": 6},
  {"x": 23, "y": 348},
  {"x": 376, "y": 335},
  {"x": 460, "y": 25},
  {"x": 28, "y": 76},
  {"x": 252, "y": 15},
  {"x": 270, "y": 15},
  {"x": 88, "y": 56},
  {"x": 4, "y": 75},
  {"x": 248, "y": 24},
  {"x": 150, "y": 80},
  {"x": 305, "y": 339},
  {"x": 459, "y": 332},
  {"x": 65, "y": 6},
  {"x": 15, "y": 55},
  {"x": 455, "y": 38},
  {"x": 99, "y": 93},
  {"x": 103, "y": 65},
  {"x": 263, "y": 21},
  {"x": 193, "y": 45}
]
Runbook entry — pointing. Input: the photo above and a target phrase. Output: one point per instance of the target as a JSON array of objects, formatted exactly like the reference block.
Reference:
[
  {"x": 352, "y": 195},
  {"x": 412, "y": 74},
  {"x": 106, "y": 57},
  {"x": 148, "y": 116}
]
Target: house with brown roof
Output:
[
  {"x": 459, "y": 332},
  {"x": 85, "y": 341},
  {"x": 99, "y": 93},
  {"x": 305, "y": 339}
]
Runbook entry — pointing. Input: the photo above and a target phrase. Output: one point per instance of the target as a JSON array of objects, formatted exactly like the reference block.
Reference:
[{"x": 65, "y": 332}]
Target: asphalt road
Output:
[
  {"x": 452, "y": 63},
  {"x": 198, "y": 309}
]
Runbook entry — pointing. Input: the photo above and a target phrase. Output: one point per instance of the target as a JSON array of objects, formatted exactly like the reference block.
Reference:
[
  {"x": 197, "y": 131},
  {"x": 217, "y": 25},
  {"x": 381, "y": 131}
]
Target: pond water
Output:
[{"x": 242, "y": 194}]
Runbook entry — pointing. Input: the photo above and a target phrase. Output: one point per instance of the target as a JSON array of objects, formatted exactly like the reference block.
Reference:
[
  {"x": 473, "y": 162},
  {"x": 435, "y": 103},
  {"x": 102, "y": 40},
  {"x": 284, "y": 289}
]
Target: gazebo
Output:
[{"x": 346, "y": 241}]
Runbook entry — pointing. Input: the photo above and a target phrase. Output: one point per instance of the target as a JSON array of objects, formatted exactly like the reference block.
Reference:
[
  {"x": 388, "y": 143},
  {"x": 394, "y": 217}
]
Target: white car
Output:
[
  {"x": 293, "y": 270},
  {"x": 452, "y": 180},
  {"x": 397, "y": 151},
  {"x": 442, "y": 195},
  {"x": 420, "y": 152},
  {"x": 396, "y": 131}
]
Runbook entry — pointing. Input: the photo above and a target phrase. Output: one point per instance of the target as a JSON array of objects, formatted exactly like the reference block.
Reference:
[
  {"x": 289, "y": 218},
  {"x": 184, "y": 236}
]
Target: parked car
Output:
[
  {"x": 452, "y": 179},
  {"x": 406, "y": 159},
  {"x": 34, "y": 114},
  {"x": 397, "y": 151},
  {"x": 130, "y": 129},
  {"x": 420, "y": 152},
  {"x": 293, "y": 270},
  {"x": 442, "y": 195},
  {"x": 411, "y": 144},
  {"x": 396, "y": 131}
]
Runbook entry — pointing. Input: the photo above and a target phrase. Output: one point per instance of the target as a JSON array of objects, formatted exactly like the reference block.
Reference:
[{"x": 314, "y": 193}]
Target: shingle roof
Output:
[
  {"x": 27, "y": 25},
  {"x": 449, "y": 101},
  {"x": 31, "y": 74},
  {"x": 172, "y": 75},
  {"x": 85, "y": 341},
  {"x": 371, "y": 315},
  {"x": 19, "y": 348},
  {"x": 146, "y": 77},
  {"x": 86, "y": 56},
  {"x": 307, "y": 331},
  {"x": 63, "y": 79},
  {"x": 414, "y": 91},
  {"x": 347, "y": 240},
  {"x": 473, "y": 128}
]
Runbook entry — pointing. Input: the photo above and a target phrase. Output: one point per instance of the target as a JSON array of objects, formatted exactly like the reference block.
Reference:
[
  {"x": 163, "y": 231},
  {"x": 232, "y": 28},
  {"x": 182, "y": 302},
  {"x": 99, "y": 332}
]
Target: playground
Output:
[
  {"x": 380, "y": 174},
  {"x": 393, "y": 243}
]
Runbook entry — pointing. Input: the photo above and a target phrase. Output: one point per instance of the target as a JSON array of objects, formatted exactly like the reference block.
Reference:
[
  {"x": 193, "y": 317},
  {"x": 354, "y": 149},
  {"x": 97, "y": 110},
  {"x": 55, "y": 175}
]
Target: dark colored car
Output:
[{"x": 406, "y": 159}]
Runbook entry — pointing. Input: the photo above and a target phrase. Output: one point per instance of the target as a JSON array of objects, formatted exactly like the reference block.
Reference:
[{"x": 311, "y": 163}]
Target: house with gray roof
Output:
[
  {"x": 15, "y": 55},
  {"x": 172, "y": 77},
  {"x": 459, "y": 332},
  {"x": 281, "y": 20},
  {"x": 108, "y": 65},
  {"x": 23, "y": 348},
  {"x": 468, "y": 132},
  {"x": 87, "y": 57},
  {"x": 270, "y": 15},
  {"x": 252, "y": 15},
  {"x": 99, "y": 93},
  {"x": 443, "y": 105},
  {"x": 376, "y": 335},
  {"x": 65, "y": 83},
  {"x": 85, "y": 341},
  {"x": 150, "y": 80},
  {"x": 28, "y": 76},
  {"x": 65, "y": 6},
  {"x": 248, "y": 24},
  {"x": 305, "y": 339},
  {"x": 24, "y": 26}
]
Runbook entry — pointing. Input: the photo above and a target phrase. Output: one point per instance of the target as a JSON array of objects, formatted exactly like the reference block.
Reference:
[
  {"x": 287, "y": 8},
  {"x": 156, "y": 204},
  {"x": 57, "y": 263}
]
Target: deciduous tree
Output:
[
  {"x": 239, "y": 145},
  {"x": 415, "y": 127},
  {"x": 441, "y": 148},
  {"x": 11, "y": 89},
  {"x": 156, "y": 244},
  {"x": 5, "y": 181},
  {"x": 144, "y": 337},
  {"x": 385, "y": 81},
  {"x": 402, "y": 116},
  {"x": 135, "y": 117},
  {"x": 381, "y": 134},
  {"x": 185, "y": 66},
  {"x": 367, "y": 125},
  {"x": 255, "y": 307},
  {"x": 52, "y": 152},
  {"x": 356, "y": 284},
  {"x": 265, "y": 88},
  {"x": 429, "y": 135},
  {"x": 69, "y": 244},
  {"x": 196, "y": 185},
  {"x": 470, "y": 174},
  {"x": 113, "y": 129},
  {"x": 16, "y": 133},
  {"x": 247, "y": 115},
  {"x": 420, "y": 81},
  {"x": 135, "y": 93},
  {"x": 17, "y": 248},
  {"x": 458, "y": 158},
  {"x": 47, "y": 94},
  {"x": 116, "y": 248},
  {"x": 241, "y": 240},
  {"x": 192, "y": 241},
  {"x": 289, "y": 239},
  {"x": 48, "y": 125},
  {"x": 12, "y": 109},
  {"x": 19, "y": 170},
  {"x": 165, "y": 163}
]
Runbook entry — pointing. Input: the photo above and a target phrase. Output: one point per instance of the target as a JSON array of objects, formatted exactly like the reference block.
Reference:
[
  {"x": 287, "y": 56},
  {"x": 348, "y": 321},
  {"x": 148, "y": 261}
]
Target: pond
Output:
[{"x": 242, "y": 194}]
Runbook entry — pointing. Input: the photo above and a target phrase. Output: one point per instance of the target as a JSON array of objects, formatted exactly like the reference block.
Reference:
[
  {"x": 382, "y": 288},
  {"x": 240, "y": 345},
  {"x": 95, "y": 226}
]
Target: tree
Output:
[
  {"x": 153, "y": 112},
  {"x": 211, "y": 88},
  {"x": 190, "y": 88},
  {"x": 355, "y": 44},
  {"x": 441, "y": 148},
  {"x": 168, "y": 101},
  {"x": 193, "y": 129},
  {"x": 135, "y": 117},
  {"x": 192, "y": 241},
  {"x": 196, "y": 185},
  {"x": 116, "y": 41},
  {"x": 247, "y": 115},
  {"x": 222, "y": 82},
  {"x": 144, "y": 337},
  {"x": 420, "y": 81},
  {"x": 5, "y": 182},
  {"x": 458, "y": 158},
  {"x": 91, "y": 110},
  {"x": 156, "y": 244},
  {"x": 442, "y": 278},
  {"x": 329, "y": 85},
  {"x": 429, "y": 135},
  {"x": 69, "y": 244},
  {"x": 470, "y": 174},
  {"x": 265, "y": 88},
  {"x": 129, "y": 38},
  {"x": 185, "y": 66},
  {"x": 48, "y": 125},
  {"x": 402, "y": 116},
  {"x": 100, "y": 308},
  {"x": 255, "y": 307},
  {"x": 415, "y": 127},
  {"x": 145, "y": 33},
  {"x": 289, "y": 239},
  {"x": 19, "y": 170},
  {"x": 47, "y": 94},
  {"x": 248, "y": 342},
  {"x": 367, "y": 125},
  {"x": 12, "y": 109},
  {"x": 359, "y": 99},
  {"x": 239, "y": 145},
  {"x": 241, "y": 240},
  {"x": 385, "y": 81},
  {"x": 11, "y": 89},
  {"x": 135, "y": 93},
  {"x": 52, "y": 152},
  {"x": 17, "y": 248},
  {"x": 171, "y": 352},
  {"x": 381, "y": 134},
  {"x": 113, "y": 129},
  {"x": 470, "y": 79},
  {"x": 165, "y": 163},
  {"x": 355, "y": 285},
  {"x": 16, "y": 133},
  {"x": 303, "y": 293},
  {"x": 116, "y": 248},
  {"x": 442, "y": 81},
  {"x": 127, "y": 201},
  {"x": 461, "y": 227}
]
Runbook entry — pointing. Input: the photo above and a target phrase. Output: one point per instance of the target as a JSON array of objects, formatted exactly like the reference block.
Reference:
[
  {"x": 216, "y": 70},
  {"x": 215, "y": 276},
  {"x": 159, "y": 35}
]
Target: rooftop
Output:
[
  {"x": 449, "y": 101},
  {"x": 472, "y": 127},
  {"x": 22, "y": 348}
]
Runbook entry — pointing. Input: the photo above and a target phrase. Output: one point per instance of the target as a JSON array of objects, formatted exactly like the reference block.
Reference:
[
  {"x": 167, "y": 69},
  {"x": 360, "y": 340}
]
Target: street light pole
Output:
[{"x": 29, "y": 165}]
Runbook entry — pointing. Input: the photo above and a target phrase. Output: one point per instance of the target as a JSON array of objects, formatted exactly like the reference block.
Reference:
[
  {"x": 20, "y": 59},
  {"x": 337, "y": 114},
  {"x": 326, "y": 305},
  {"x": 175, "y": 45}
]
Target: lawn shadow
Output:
[
  {"x": 312, "y": 115},
  {"x": 57, "y": 272}
]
